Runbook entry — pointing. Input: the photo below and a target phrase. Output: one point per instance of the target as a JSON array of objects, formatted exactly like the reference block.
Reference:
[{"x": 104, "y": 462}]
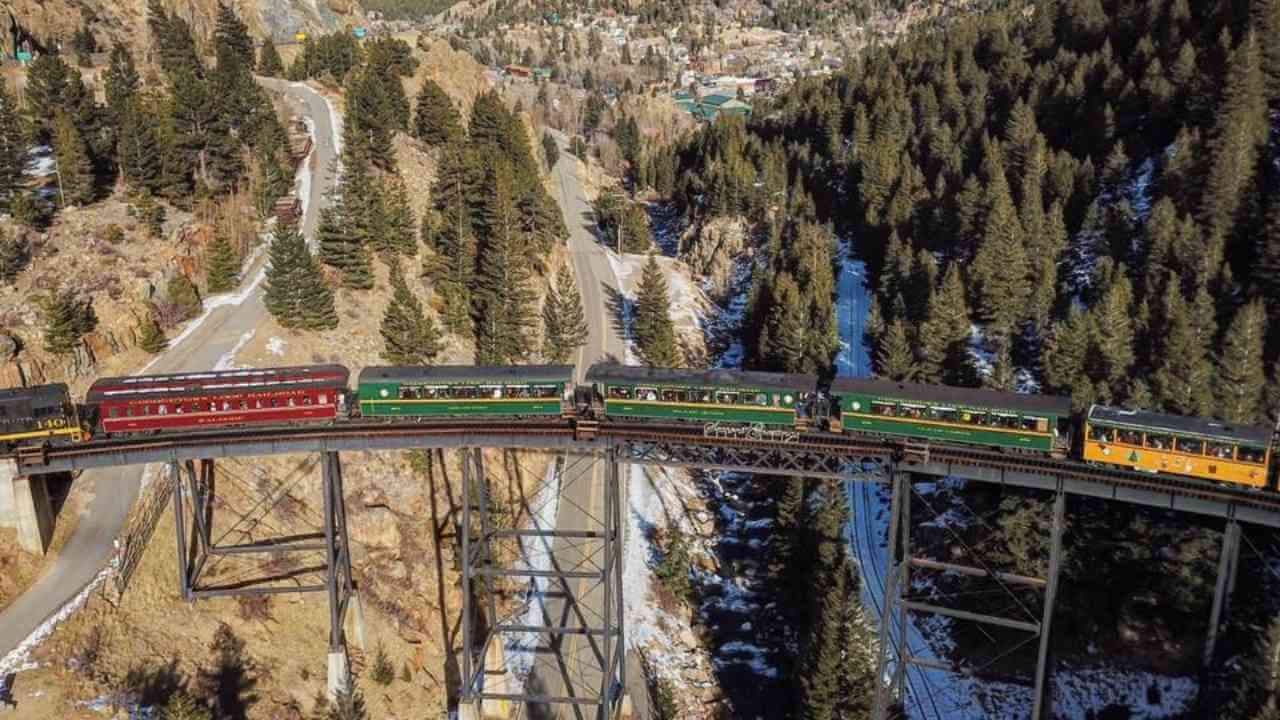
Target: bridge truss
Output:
[{"x": 190, "y": 460}]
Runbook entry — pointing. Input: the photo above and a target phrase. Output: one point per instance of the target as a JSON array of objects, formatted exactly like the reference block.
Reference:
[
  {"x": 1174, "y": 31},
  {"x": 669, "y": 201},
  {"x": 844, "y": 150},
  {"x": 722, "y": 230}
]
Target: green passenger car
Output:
[
  {"x": 953, "y": 415},
  {"x": 464, "y": 391},
  {"x": 715, "y": 396}
]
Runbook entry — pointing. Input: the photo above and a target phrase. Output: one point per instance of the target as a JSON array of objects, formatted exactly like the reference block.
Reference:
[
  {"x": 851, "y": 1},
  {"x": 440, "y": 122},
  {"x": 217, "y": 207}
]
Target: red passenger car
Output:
[{"x": 216, "y": 399}]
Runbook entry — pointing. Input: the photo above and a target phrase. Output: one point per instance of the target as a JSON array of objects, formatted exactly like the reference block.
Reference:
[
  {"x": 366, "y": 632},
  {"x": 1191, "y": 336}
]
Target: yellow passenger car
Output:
[{"x": 1195, "y": 447}]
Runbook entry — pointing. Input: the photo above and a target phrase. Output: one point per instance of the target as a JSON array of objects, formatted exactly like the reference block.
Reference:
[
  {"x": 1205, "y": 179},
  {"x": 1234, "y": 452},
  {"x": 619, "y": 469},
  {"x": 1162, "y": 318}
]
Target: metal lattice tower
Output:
[{"x": 574, "y": 604}]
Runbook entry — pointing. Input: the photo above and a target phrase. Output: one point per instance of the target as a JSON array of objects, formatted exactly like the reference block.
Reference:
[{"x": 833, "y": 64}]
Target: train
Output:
[{"x": 39, "y": 417}]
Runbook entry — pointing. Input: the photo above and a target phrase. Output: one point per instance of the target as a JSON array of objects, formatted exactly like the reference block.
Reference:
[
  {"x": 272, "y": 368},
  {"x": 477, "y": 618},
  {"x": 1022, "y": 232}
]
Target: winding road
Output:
[
  {"x": 574, "y": 666},
  {"x": 216, "y": 334}
]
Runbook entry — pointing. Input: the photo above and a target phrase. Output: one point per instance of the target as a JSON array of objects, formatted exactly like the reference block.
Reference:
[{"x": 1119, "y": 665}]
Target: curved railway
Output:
[{"x": 807, "y": 454}]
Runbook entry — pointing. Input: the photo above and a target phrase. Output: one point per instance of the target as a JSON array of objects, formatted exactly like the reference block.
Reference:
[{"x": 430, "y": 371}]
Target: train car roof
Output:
[
  {"x": 628, "y": 373},
  {"x": 1252, "y": 434},
  {"x": 52, "y": 391},
  {"x": 972, "y": 397},
  {"x": 420, "y": 373},
  {"x": 197, "y": 382}
]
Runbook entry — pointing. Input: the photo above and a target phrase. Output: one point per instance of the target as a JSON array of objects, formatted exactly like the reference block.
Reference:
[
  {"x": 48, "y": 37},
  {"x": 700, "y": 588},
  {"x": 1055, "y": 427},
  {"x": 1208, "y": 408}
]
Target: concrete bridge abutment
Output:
[{"x": 25, "y": 505}]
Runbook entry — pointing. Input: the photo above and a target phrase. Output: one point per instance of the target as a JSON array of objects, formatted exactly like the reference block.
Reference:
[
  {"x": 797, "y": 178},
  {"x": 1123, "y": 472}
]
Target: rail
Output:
[{"x": 835, "y": 455}]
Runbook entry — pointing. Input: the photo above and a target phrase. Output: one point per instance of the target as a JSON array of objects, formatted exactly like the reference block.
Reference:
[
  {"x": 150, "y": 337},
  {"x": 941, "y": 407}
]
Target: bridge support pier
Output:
[
  {"x": 590, "y": 557},
  {"x": 25, "y": 505},
  {"x": 1228, "y": 561},
  {"x": 895, "y": 658},
  {"x": 193, "y": 494}
]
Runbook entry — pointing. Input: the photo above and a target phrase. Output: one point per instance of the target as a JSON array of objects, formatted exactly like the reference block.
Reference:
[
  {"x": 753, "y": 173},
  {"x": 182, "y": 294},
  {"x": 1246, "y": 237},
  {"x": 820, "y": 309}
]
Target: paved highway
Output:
[
  {"x": 574, "y": 666},
  {"x": 115, "y": 491}
]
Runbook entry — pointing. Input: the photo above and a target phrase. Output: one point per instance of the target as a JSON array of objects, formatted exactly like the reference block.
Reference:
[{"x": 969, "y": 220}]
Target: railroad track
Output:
[{"x": 835, "y": 448}]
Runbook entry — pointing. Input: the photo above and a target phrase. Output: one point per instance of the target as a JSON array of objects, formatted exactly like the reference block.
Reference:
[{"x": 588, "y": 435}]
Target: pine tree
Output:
[
  {"x": 1240, "y": 127},
  {"x": 822, "y": 656},
  {"x": 1065, "y": 356},
  {"x": 408, "y": 335},
  {"x": 1267, "y": 273},
  {"x": 401, "y": 232},
  {"x": 138, "y": 147},
  {"x": 48, "y": 78},
  {"x": 120, "y": 82},
  {"x": 269, "y": 62},
  {"x": 223, "y": 265},
  {"x": 1113, "y": 336},
  {"x": 564, "y": 324},
  {"x": 782, "y": 342},
  {"x": 12, "y": 146},
  {"x": 1000, "y": 269},
  {"x": 231, "y": 39},
  {"x": 1241, "y": 378},
  {"x": 653, "y": 331},
  {"x": 284, "y": 287},
  {"x": 895, "y": 359},
  {"x": 436, "y": 121},
  {"x": 342, "y": 249},
  {"x": 944, "y": 336},
  {"x": 316, "y": 297},
  {"x": 550, "y": 149},
  {"x": 1182, "y": 376},
  {"x": 182, "y": 294},
  {"x": 67, "y": 317},
  {"x": 74, "y": 170},
  {"x": 502, "y": 299},
  {"x": 172, "y": 36},
  {"x": 151, "y": 338}
]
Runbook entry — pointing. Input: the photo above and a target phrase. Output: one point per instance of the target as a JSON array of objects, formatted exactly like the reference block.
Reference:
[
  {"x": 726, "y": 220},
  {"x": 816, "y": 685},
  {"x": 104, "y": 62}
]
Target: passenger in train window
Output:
[{"x": 1129, "y": 437}]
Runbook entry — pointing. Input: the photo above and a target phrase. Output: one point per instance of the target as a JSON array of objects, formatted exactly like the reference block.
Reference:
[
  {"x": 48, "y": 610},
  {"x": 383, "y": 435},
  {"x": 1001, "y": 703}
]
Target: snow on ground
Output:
[
  {"x": 18, "y": 659},
  {"x": 227, "y": 360},
  {"x": 724, "y": 325},
  {"x": 853, "y": 300},
  {"x": 276, "y": 345},
  {"x": 648, "y": 626},
  {"x": 40, "y": 162},
  {"x": 535, "y": 554}
]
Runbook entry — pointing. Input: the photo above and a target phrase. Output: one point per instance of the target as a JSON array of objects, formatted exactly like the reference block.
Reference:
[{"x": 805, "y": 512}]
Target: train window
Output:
[
  {"x": 1029, "y": 423},
  {"x": 1005, "y": 421},
  {"x": 324, "y": 399},
  {"x": 128, "y": 412},
  {"x": 912, "y": 411},
  {"x": 293, "y": 402},
  {"x": 548, "y": 391},
  {"x": 727, "y": 398},
  {"x": 880, "y": 408},
  {"x": 1129, "y": 437},
  {"x": 1101, "y": 434},
  {"x": 115, "y": 412},
  {"x": 466, "y": 393},
  {"x": 306, "y": 400},
  {"x": 1222, "y": 451},
  {"x": 944, "y": 414},
  {"x": 164, "y": 409},
  {"x": 177, "y": 408},
  {"x": 491, "y": 391},
  {"x": 405, "y": 393},
  {"x": 1159, "y": 442},
  {"x": 244, "y": 404},
  {"x": 1255, "y": 456},
  {"x": 750, "y": 398},
  {"x": 702, "y": 396},
  {"x": 1190, "y": 447},
  {"x": 620, "y": 393}
]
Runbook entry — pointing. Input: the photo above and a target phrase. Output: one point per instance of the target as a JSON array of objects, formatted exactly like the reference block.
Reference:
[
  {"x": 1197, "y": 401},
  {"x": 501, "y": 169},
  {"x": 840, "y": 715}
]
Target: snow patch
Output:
[
  {"x": 852, "y": 302},
  {"x": 227, "y": 361},
  {"x": 18, "y": 659},
  {"x": 535, "y": 554},
  {"x": 276, "y": 346}
]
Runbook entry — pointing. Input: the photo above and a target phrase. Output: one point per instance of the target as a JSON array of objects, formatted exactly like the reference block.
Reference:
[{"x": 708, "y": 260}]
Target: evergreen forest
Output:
[{"x": 1074, "y": 197}]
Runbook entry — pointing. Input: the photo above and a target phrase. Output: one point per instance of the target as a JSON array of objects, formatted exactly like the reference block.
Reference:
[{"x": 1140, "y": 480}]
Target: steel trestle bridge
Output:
[{"x": 191, "y": 456}]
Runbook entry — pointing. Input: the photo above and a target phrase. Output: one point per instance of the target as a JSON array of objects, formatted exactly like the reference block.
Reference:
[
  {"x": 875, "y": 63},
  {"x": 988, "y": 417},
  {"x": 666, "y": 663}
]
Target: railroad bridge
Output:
[{"x": 191, "y": 462}]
